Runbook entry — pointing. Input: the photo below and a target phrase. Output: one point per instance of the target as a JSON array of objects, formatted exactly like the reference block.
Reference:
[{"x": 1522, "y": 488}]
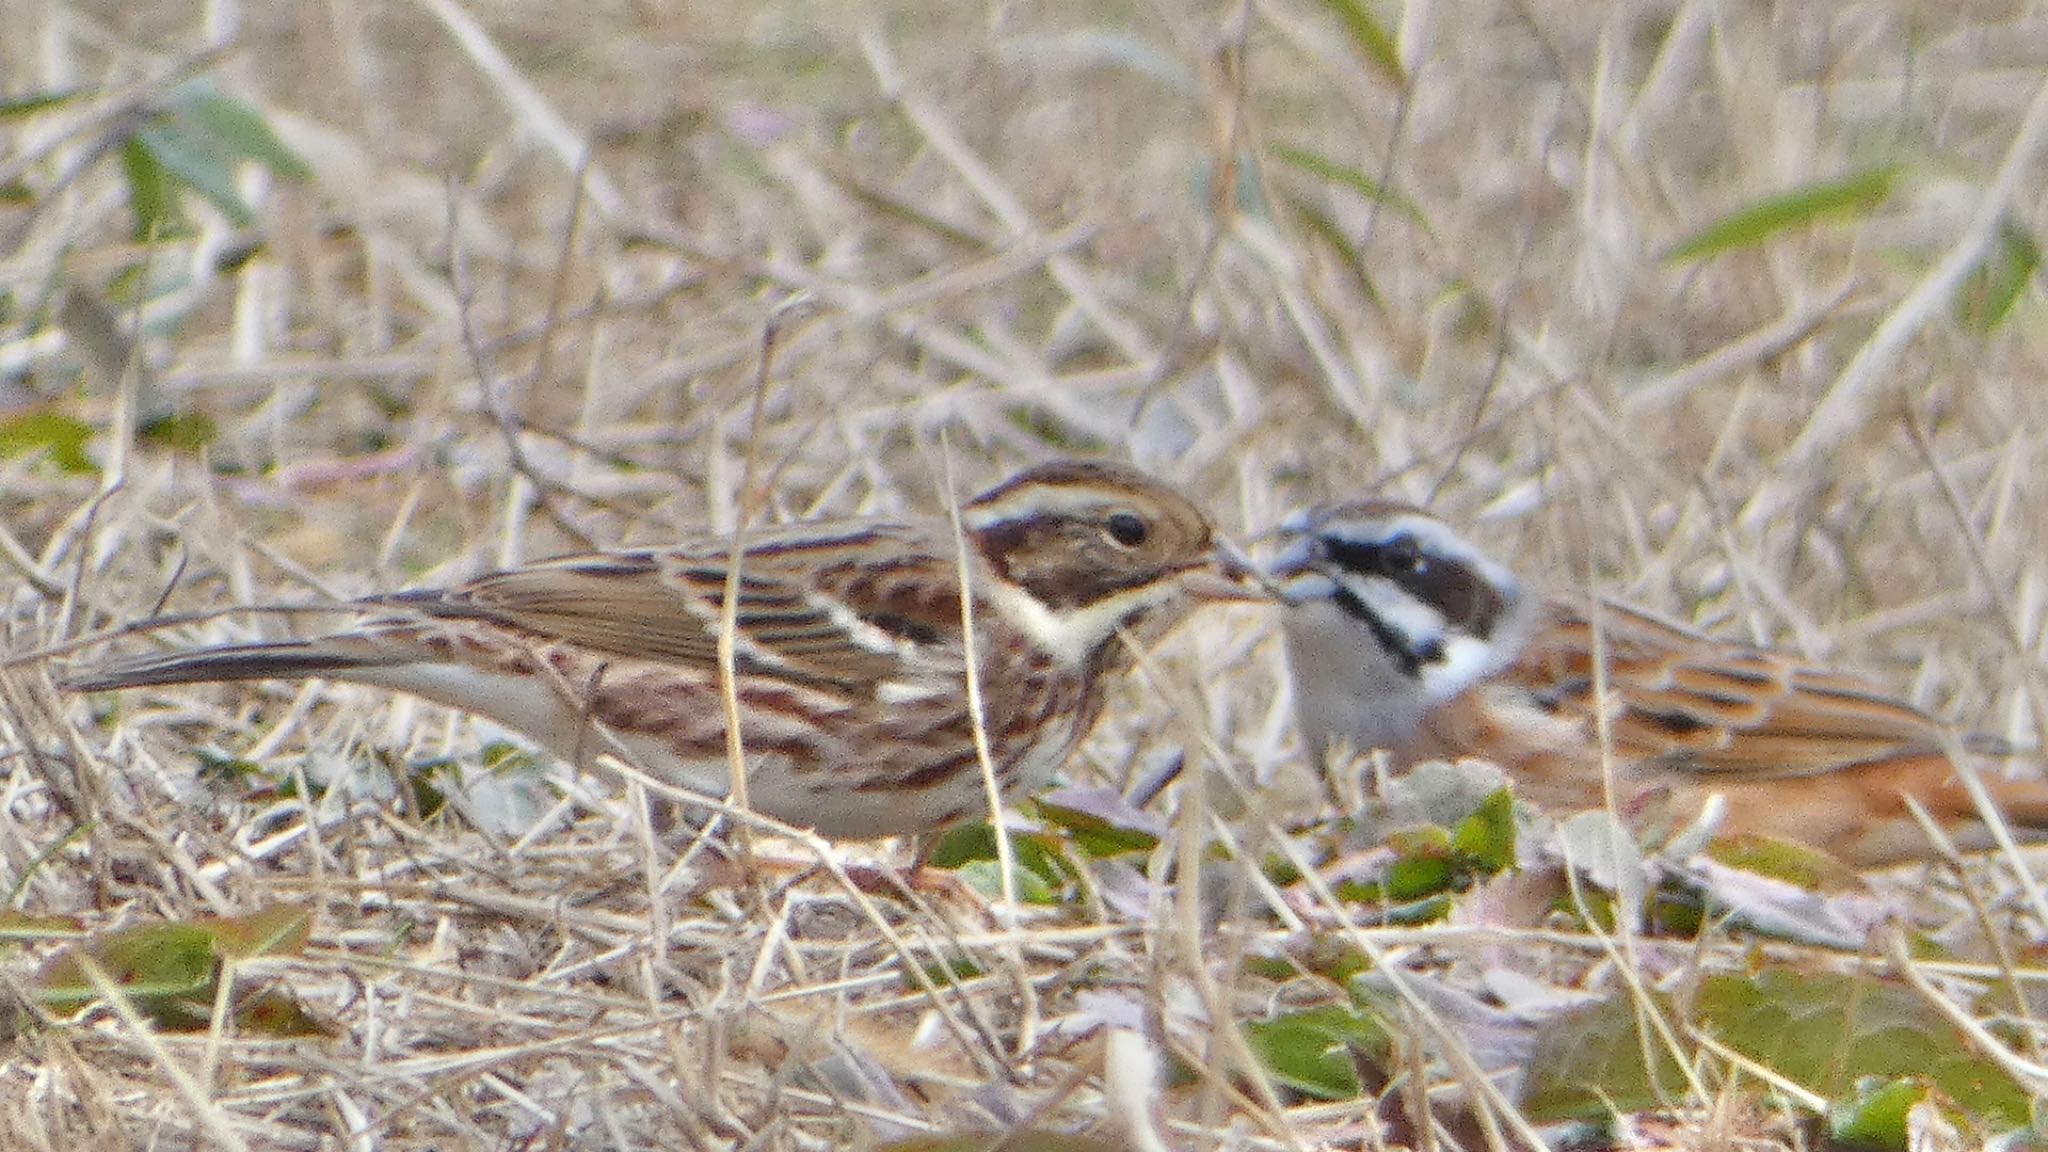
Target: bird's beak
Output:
[
  {"x": 1300, "y": 554},
  {"x": 1230, "y": 575}
]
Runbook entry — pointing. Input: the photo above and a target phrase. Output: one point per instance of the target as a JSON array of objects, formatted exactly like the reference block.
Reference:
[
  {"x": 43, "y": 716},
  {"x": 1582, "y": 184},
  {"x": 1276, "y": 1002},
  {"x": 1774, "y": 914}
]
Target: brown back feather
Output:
[{"x": 1683, "y": 699}]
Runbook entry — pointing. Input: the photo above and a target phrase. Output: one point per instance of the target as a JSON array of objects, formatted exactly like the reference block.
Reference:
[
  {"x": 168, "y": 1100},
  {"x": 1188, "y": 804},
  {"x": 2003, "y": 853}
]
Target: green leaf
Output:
[
  {"x": 20, "y": 926},
  {"x": 1676, "y": 908},
  {"x": 1786, "y": 860},
  {"x": 279, "y": 931},
  {"x": 1853, "y": 195},
  {"x": 148, "y": 961},
  {"x": 1427, "y": 910},
  {"x": 276, "y": 1014},
  {"x": 151, "y": 197},
  {"x": 1325, "y": 168},
  {"x": 195, "y": 141},
  {"x": 1986, "y": 297},
  {"x": 1333, "y": 956},
  {"x": 944, "y": 971},
  {"x": 1413, "y": 877},
  {"x": 1591, "y": 908},
  {"x": 1043, "y": 875},
  {"x": 1828, "y": 1030},
  {"x": 184, "y": 432},
  {"x": 1485, "y": 840},
  {"x": 216, "y": 766},
  {"x": 504, "y": 758},
  {"x": 195, "y": 162},
  {"x": 1370, "y": 38},
  {"x": 170, "y": 970},
  {"x": 1425, "y": 841},
  {"x": 1589, "y": 1063},
  {"x": 1422, "y": 864},
  {"x": 1326, "y": 228},
  {"x": 1877, "y": 1116},
  {"x": 22, "y": 107},
  {"x": 1317, "y": 1052},
  {"x": 427, "y": 795},
  {"x": 234, "y": 128},
  {"x": 61, "y": 437},
  {"x": 986, "y": 877},
  {"x": 1100, "y": 822},
  {"x": 962, "y": 843},
  {"x": 1280, "y": 869},
  {"x": 1823, "y": 1031}
]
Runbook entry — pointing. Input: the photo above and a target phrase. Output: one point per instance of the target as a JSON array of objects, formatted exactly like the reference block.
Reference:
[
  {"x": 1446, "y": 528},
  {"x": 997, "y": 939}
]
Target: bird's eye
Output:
[
  {"x": 1127, "y": 528},
  {"x": 1400, "y": 555}
]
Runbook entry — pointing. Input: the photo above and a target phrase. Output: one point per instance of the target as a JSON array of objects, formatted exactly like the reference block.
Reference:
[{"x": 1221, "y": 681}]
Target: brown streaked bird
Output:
[
  {"x": 1402, "y": 635},
  {"x": 850, "y": 666}
]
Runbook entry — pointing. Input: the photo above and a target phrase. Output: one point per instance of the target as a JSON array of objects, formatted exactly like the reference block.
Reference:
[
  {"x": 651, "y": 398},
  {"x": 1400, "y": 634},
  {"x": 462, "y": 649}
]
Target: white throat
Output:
[
  {"x": 1073, "y": 635},
  {"x": 1376, "y": 686}
]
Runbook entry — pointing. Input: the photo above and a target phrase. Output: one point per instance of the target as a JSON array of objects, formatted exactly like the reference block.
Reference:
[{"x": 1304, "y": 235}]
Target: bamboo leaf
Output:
[
  {"x": 59, "y": 437},
  {"x": 1988, "y": 295},
  {"x": 151, "y": 198},
  {"x": 1371, "y": 39},
  {"x": 1318, "y": 1051},
  {"x": 22, "y": 107},
  {"x": 1325, "y": 168},
  {"x": 197, "y": 163},
  {"x": 234, "y": 128},
  {"x": 1853, "y": 195}
]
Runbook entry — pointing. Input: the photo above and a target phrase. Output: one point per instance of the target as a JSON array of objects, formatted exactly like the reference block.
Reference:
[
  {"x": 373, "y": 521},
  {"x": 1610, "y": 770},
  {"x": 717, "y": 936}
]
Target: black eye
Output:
[
  {"x": 1400, "y": 556},
  {"x": 1396, "y": 557},
  {"x": 1127, "y": 528}
]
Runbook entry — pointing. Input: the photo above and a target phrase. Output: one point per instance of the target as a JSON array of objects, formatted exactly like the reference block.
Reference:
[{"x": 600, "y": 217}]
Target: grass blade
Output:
[
  {"x": 1325, "y": 168},
  {"x": 1371, "y": 39},
  {"x": 1853, "y": 195}
]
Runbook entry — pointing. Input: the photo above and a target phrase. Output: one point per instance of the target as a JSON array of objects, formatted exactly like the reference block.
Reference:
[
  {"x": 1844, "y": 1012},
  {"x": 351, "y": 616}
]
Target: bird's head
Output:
[
  {"x": 1392, "y": 613},
  {"x": 1079, "y": 549}
]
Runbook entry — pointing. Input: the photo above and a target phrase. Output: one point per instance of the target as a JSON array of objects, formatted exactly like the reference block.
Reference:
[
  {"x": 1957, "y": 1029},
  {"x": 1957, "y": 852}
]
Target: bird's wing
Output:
[
  {"x": 852, "y": 608},
  {"x": 1698, "y": 704}
]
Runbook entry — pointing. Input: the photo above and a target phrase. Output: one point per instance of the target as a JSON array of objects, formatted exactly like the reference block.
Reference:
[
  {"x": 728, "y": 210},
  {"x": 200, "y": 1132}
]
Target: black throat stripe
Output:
[{"x": 1409, "y": 661}]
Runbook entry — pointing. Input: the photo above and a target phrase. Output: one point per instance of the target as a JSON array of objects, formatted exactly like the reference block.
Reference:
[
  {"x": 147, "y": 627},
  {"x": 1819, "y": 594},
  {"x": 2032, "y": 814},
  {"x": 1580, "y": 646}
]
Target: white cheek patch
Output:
[
  {"x": 1415, "y": 622},
  {"x": 1465, "y": 662},
  {"x": 1448, "y": 662},
  {"x": 1074, "y": 635}
]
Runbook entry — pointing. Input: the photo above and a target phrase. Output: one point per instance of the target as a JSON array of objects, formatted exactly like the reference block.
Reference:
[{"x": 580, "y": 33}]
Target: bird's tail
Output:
[{"x": 279, "y": 660}]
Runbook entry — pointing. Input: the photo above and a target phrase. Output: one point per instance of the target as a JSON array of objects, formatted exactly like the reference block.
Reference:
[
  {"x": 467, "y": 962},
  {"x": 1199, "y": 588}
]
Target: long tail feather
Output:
[{"x": 281, "y": 660}]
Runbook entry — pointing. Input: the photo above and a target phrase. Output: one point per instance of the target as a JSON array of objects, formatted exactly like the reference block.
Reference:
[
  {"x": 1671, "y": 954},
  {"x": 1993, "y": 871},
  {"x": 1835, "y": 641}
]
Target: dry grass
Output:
[{"x": 1004, "y": 231}]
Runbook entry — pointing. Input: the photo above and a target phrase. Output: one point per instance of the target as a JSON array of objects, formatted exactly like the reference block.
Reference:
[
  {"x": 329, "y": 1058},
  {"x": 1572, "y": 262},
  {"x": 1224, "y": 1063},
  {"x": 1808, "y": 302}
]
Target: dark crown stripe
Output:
[{"x": 1456, "y": 588}]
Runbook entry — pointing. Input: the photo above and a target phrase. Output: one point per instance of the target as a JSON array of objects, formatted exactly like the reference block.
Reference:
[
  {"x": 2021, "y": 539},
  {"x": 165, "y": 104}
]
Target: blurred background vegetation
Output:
[{"x": 1728, "y": 308}]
